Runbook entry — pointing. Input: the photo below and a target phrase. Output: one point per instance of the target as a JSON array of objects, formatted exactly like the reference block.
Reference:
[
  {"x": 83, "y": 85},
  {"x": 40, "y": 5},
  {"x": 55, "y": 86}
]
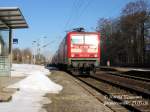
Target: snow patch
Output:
[
  {"x": 25, "y": 101},
  {"x": 19, "y": 70},
  {"x": 37, "y": 82},
  {"x": 32, "y": 89}
]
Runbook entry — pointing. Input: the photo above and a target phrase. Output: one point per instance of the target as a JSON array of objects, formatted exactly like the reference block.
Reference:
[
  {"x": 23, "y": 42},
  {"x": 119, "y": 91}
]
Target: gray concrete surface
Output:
[
  {"x": 6, "y": 93},
  {"x": 73, "y": 98}
]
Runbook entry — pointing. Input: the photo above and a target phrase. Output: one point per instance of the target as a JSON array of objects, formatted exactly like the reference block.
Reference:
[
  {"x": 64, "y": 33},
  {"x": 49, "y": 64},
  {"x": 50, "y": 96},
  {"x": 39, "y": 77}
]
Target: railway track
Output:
[
  {"x": 138, "y": 86},
  {"x": 133, "y": 95},
  {"x": 138, "y": 75},
  {"x": 129, "y": 76}
]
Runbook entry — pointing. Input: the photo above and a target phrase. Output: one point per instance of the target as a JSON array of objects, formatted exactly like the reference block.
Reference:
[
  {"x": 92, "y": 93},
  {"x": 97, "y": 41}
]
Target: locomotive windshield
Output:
[
  {"x": 84, "y": 45},
  {"x": 91, "y": 39},
  {"x": 84, "y": 39},
  {"x": 77, "y": 39}
]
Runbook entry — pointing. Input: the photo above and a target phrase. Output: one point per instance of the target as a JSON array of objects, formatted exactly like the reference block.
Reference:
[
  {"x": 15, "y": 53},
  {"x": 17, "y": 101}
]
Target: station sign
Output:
[{"x": 15, "y": 41}]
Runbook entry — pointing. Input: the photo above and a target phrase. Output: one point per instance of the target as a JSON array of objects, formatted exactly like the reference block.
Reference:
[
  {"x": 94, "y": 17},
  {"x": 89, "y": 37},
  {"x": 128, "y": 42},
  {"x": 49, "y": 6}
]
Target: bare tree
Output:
[
  {"x": 17, "y": 55},
  {"x": 123, "y": 38},
  {"x": 133, "y": 18},
  {"x": 104, "y": 27},
  {"x": 26, "y": 55}
]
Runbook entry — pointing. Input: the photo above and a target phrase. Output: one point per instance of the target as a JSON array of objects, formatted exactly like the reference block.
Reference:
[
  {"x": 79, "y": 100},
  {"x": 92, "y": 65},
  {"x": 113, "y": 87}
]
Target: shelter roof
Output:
[{"x": 11, "y": 17}]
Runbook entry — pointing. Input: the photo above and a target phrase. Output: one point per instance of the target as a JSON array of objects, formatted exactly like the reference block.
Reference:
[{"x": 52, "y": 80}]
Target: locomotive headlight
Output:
[
  {"x": 72, "y": 55},
  {"x": 95, "y": 55}
]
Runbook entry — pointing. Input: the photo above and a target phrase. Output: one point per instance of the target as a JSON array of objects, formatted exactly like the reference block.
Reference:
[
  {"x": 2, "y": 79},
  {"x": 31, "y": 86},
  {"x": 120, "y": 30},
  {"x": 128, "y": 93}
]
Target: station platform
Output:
[
  {"x": 6, "y": 93},
  {"x": 73, "y": 97}
]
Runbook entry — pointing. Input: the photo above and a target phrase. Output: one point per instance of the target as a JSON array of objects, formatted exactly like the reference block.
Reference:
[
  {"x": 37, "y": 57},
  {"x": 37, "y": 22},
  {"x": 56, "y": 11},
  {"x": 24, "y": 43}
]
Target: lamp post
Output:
[
  {"x": 33, "y": 57},
  {"x": 37, "y": 43}
]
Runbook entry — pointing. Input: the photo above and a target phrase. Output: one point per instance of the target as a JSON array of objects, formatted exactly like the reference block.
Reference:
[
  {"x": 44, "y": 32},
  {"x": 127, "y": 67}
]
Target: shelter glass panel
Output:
[{"x": 4, "y": 53}]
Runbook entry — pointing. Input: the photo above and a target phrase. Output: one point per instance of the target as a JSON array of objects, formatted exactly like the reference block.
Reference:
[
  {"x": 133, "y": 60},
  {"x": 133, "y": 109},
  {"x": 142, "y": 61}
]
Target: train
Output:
[{"x": 79, "y": 51}]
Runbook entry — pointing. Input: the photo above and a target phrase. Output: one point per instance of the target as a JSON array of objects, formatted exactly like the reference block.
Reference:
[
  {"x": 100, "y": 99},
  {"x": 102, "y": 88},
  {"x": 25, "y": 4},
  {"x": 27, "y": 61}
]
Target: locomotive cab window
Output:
[
  {"x": 91, "y": 39},
  {"x": 77, "y": 39},
  {"x": 84, "y": 39}
]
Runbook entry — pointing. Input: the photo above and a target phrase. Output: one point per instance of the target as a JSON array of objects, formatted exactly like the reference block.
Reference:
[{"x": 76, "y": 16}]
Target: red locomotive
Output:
[{"x": 79, "y": 51}]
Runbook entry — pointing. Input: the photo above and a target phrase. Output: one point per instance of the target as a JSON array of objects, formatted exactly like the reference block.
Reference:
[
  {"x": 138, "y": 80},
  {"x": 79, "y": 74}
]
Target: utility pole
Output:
[
  {"x": 38, "y": 44},
  {"x": 33, "y": 49}
]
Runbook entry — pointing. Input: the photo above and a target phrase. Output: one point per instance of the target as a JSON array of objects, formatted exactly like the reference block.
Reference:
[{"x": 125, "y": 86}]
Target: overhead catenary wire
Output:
[
  {"x": 73, "y": 12},
  {"x": 83, "y": 10},
  {"x": 76, "y": 12},
  {"x": 77, "y": 9},
  {"x": 74, "y": 9}
]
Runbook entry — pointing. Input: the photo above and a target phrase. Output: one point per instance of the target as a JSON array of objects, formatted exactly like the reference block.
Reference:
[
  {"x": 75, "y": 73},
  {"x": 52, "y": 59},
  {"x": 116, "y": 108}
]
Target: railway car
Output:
[{"x": 79, "y": 51}]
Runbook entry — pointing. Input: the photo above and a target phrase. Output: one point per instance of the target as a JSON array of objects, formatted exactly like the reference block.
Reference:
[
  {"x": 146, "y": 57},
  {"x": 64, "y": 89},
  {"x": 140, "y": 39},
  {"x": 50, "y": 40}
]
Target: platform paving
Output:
[
  {"x": 73, "y": 97},
  {"x": 6, "y": 93}
]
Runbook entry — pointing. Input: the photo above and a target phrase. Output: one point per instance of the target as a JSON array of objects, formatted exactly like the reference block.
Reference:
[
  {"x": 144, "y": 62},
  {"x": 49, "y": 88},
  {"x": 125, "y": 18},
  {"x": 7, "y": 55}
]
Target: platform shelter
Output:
[{"x": 10, "y": 18}]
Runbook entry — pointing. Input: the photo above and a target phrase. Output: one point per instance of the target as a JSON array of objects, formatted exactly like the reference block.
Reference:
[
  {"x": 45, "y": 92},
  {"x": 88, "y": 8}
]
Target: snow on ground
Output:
[
  {"x": 38, "y": 82},
  {"x": 32, "y": 89},
  {"x": 25, "y": 69}
]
